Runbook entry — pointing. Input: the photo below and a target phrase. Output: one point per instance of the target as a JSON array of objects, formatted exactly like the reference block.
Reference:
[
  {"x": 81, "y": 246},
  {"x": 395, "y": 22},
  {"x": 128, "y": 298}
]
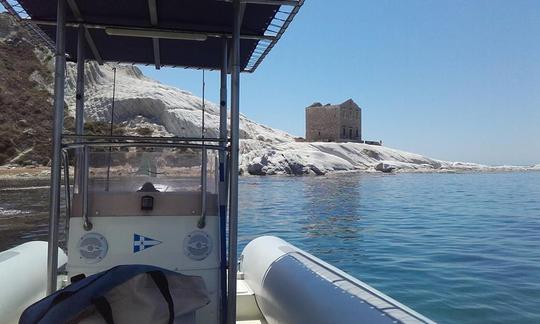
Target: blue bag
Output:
[{"x": 66, "y": 305}]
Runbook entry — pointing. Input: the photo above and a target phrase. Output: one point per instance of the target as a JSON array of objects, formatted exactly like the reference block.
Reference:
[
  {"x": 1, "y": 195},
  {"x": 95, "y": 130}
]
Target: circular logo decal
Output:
[
  {"x": 197, "y": 245},
  {"x": 93, "y": 247}
]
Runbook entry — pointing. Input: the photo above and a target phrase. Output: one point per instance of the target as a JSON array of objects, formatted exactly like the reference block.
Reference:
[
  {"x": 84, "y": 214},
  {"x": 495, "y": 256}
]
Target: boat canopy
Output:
[{"x": 166, "y": 32}]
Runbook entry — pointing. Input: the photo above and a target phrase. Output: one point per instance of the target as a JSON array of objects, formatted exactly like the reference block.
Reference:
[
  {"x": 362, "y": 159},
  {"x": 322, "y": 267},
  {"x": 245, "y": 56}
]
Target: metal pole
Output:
[
  {"x": 235, "y": 131},
  {"x": 112, "y": 129},
  {"x": 203, "y": 112},
  {"x": 54, "y": 200},
  {"x": 223, "y": 190},
  {"x": 204, "y": 166},
  {"x": 79, "y": 105},
  {"x": 65, "y": 156},
  {"x": 65, "y": 160},
  {"x": 87, "y": 224}
]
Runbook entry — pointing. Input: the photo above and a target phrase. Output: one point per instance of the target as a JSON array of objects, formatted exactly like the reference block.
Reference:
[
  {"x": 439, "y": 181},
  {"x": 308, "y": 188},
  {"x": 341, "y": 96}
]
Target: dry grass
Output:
[
  {"x": 26, "y": 114},
  {"x": 26, "y": 107}
]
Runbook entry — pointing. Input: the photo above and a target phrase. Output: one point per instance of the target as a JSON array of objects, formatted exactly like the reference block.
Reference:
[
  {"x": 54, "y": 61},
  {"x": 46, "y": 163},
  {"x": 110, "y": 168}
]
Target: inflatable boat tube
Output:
[
  {"x": 23, "y": 278},
  {"x": 293, "y": 286}
]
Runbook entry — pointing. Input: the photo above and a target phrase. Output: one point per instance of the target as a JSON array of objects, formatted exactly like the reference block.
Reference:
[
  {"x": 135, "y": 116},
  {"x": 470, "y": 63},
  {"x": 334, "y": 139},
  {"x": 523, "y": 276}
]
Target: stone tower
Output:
[{"x": 334, "y": 123}]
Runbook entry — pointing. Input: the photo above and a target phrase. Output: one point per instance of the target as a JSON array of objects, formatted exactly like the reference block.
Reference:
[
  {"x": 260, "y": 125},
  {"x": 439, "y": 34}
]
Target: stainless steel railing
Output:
[{"x": 93, "y": 141}]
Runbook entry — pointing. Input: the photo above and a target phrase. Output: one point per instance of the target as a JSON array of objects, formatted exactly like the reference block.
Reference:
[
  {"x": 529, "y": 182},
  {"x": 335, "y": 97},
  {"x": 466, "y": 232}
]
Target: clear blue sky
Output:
[{"x": 451, "y": 79}]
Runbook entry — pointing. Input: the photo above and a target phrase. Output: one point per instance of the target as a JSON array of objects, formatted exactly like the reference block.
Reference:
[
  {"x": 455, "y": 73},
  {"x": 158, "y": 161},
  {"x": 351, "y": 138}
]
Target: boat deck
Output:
[{"x": 247, "y": 311}]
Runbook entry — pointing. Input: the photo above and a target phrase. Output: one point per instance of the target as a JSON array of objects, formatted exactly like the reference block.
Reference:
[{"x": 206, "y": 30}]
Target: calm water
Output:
[{"x": 459, "y": 248}]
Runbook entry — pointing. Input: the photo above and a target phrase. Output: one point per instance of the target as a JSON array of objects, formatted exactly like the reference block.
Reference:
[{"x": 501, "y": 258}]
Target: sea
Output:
[{"x": 456, "y": 247}]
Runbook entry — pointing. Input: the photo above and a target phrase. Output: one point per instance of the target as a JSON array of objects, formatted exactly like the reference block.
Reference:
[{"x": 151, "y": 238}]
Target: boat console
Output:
[{"x": 157, "y": 207}]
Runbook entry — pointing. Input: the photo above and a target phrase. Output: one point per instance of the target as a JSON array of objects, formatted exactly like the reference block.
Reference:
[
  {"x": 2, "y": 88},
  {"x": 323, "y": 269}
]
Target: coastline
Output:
[
  {"x": 25, "y": 172},
  {"x": 42, "y": 174}
]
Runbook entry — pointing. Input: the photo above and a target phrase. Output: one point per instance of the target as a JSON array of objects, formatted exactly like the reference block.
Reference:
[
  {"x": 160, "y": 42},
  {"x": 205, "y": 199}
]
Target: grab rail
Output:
[
  {"x": 65, "y": 162},
  {"x": 146, "y": 144},
  {"x": 87, "y": 224},
  {"x": 143, "y": 138},
  {"x": 204, "y": 187},
  {"x": 84, "y": 168}
]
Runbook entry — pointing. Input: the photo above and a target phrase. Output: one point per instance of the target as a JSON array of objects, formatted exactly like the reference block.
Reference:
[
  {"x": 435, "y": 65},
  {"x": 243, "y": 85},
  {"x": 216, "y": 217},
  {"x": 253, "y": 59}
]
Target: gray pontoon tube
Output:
[{"x": 293, "y": 286}]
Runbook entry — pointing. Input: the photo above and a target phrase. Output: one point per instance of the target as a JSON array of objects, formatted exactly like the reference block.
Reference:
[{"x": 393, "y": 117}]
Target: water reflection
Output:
[
  {"x": 331, "y": 211},
  {"x": 24, "y": 212}
]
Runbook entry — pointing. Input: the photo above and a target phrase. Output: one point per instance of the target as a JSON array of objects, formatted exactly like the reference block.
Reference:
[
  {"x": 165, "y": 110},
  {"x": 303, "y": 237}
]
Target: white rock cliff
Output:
[{"x": 141, "y": 101}]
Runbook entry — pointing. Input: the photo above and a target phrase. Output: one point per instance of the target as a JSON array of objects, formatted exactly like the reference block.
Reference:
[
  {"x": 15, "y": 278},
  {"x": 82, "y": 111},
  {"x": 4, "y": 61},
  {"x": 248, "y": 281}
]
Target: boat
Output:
[{"x": 166, "y": 207}]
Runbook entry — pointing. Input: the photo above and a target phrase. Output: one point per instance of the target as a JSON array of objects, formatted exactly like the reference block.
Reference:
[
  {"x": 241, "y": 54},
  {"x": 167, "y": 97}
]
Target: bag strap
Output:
[
  {"x": 163, "y": 285},
  {"x": 104, "y": 309}
]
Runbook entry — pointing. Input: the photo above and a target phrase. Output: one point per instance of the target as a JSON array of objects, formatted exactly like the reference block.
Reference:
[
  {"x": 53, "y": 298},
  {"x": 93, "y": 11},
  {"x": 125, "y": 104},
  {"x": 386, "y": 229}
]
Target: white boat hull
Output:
[
  {"x": 278, "y": 283},
  {"x": 23, "y": 278}
]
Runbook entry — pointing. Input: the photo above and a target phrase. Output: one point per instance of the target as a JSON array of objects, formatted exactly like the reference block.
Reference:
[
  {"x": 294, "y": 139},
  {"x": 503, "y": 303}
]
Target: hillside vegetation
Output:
[
  {"x": 26, "y": 104},
  {"x": 26, "y": 115}
]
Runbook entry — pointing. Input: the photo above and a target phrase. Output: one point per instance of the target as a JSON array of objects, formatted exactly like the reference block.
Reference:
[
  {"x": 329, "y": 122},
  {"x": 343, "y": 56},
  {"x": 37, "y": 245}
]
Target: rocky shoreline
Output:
[
  {"x": 25, "y": 172},
  {"x": 43, "y": 173}
]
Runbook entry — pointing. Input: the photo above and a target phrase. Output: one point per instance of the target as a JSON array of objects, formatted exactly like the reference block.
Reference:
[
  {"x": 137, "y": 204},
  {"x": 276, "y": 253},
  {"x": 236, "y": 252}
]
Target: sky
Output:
[
  {"x": 457, "y": 80},
  {"x": 451, "y": 79}
]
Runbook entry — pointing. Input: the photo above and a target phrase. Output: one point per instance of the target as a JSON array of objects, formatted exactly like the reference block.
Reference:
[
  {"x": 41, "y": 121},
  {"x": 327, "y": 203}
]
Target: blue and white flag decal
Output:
[{"x": 141, "y": 242}]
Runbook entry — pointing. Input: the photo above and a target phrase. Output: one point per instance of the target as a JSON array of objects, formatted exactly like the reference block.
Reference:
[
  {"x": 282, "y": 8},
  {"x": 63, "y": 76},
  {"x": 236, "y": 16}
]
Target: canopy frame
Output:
[{"x": 261, "y": 41}]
